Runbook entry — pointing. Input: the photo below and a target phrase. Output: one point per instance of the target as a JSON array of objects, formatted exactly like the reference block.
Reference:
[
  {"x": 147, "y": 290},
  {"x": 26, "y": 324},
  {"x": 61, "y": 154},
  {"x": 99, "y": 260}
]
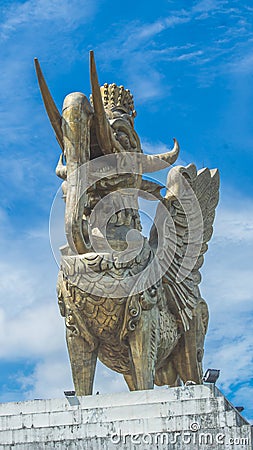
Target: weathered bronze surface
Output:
[{"x": 130, "y": 301}]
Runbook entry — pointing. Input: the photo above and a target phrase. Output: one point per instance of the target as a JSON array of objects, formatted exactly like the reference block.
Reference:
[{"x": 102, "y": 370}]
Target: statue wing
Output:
[{"x": 190, "y": 202}]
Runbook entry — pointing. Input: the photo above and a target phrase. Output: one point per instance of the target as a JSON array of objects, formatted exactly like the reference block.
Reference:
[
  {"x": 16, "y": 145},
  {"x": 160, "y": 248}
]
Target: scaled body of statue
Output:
[{"x": 131, "y": 301}]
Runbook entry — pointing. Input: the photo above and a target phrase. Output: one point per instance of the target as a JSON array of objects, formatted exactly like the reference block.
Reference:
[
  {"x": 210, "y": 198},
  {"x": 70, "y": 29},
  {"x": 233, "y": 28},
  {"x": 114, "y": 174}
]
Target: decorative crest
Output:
[{"x": 117, "y": 98}]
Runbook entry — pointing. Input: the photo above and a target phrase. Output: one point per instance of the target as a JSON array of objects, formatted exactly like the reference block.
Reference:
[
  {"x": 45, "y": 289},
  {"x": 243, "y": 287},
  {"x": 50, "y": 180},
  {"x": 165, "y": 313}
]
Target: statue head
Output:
[{"x": 111, "y": 125}]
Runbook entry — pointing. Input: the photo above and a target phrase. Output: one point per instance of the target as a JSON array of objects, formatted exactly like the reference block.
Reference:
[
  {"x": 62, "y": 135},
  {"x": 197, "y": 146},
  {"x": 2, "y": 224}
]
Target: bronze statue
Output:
[{"x": 130, "y": 301}]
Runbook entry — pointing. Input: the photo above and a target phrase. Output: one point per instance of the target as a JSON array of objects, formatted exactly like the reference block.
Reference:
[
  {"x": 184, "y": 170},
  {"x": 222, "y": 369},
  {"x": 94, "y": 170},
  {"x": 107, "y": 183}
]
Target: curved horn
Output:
[
  {"x": 51, "y": 108},
  {"x": 61, "y": 170},
  {"x": 154, "y": 163},
  {"x": 102, "y": 125}
]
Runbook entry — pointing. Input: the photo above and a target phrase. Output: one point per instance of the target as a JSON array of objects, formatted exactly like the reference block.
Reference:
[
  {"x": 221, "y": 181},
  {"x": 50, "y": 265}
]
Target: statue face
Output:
[{"x": 123, "y": 132}]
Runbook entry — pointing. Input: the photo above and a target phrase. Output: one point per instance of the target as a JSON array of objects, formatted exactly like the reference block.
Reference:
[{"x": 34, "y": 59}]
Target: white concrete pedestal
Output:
[{"x": 189, "y": 417}]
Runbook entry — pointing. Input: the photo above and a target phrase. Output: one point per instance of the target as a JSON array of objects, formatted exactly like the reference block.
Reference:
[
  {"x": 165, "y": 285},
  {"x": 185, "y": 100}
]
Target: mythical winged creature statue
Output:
[{"x": 130, "y": 301}]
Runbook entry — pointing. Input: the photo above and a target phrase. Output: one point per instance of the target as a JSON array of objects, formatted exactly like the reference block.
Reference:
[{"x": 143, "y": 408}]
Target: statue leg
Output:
[
  {"x": 131, "y": 382},
  {"x": 188, "y": 354},
  {"x": 166, "y": 374},
  {"x": 143, "y": 349},
  {"x": 83, "y": 364},
  {"x": 185, "y": 360}
]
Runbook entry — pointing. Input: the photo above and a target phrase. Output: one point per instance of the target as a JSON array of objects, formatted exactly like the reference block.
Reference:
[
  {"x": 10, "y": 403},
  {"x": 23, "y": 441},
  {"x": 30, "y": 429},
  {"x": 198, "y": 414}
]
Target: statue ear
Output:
[
  {"x": 51, "y": 108},
  {"x": 103, "y": 129}
]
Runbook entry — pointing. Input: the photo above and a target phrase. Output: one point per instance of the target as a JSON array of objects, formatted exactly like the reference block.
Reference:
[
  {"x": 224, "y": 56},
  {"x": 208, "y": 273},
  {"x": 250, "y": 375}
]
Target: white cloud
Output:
[
  {"x": 150, "y": 30},
  {"x": 243, "y": 64},
  {"x": 107, "y": 381},
  {"x": 28, "y": 301},
  {"x": 228, "y": 289},
  {"x": 34, "y": 12},
  {"x": 31, "y": 328},
  {"x": 154, "y": 148},
  {"x": 235, "y": 361},
  {"x": 242, "y": 395},
  {"x": 188, "y": 56},
  {"x": 207, "y": 5},
  {"x": 137, "y": 42},
  {"x": 146, "y": 46},
  {"x": 33, "y": 332},
  {"x": 51, "y": 377},
  {"x": 35, "y": 28},
  {"x": 146, "y": 87},
  {"x": 236, "y": 224}
]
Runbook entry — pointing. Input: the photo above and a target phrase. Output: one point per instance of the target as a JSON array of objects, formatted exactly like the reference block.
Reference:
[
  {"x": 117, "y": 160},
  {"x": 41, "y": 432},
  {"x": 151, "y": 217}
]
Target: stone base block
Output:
[{"x": 189, "y": 417}]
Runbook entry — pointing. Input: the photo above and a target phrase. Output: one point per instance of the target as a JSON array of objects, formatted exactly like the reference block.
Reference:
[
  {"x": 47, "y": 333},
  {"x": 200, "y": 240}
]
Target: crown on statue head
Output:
[{"x": 117, "y": 98}]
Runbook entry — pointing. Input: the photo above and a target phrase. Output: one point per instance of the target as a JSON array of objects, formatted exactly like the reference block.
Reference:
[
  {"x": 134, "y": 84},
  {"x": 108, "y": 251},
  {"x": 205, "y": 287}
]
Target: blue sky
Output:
[{"x": 189, "y": 65}]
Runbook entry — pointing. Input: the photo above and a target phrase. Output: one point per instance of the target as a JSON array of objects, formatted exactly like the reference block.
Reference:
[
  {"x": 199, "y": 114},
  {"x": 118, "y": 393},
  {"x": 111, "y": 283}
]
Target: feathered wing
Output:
[{"x": 190, "y": 200}]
